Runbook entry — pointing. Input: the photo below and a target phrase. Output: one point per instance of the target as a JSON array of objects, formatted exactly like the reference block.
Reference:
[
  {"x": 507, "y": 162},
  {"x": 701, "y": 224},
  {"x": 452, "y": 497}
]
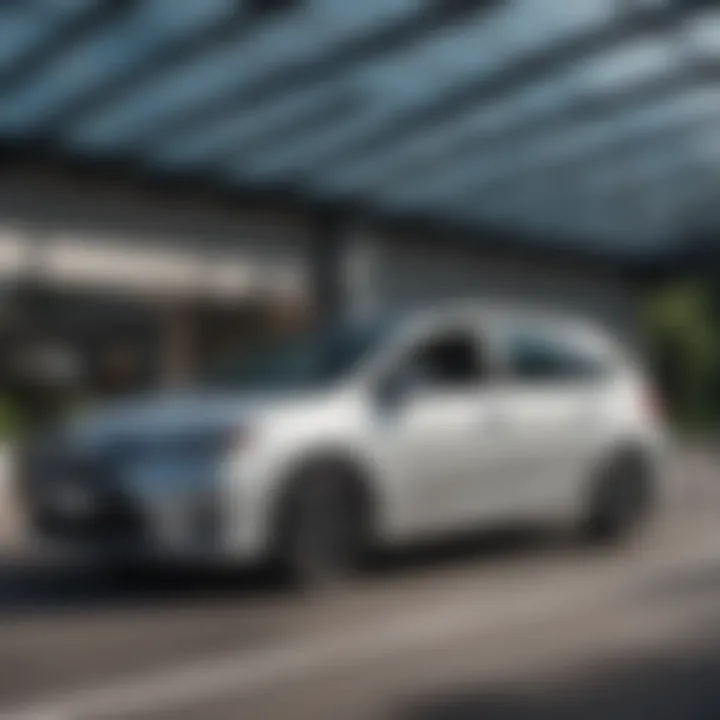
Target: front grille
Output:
[
  {"x": 113, "y": 520},
  {"x": 110, "y": 514}
]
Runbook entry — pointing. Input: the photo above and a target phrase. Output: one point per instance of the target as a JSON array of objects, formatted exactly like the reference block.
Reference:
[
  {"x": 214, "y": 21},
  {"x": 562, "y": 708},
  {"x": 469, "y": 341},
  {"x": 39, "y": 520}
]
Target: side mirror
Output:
[
  {"x": 396, "y": 388},
  {"x": 391, "y": 392}
]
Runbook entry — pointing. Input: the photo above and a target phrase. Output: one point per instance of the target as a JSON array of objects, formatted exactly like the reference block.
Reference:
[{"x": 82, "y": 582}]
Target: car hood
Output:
[{"x": 164, "y": 415}]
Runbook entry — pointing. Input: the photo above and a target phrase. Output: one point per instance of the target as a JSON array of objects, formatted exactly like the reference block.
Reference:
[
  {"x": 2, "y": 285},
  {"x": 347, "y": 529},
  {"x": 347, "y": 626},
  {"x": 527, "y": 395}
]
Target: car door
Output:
[
  {"x": 548, "y": 400},
  {"x": 430, "y": 425}
]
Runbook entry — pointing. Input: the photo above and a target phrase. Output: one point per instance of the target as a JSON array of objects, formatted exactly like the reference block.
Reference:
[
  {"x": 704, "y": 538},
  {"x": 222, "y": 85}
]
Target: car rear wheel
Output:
[{"x": 620, "y": 500}]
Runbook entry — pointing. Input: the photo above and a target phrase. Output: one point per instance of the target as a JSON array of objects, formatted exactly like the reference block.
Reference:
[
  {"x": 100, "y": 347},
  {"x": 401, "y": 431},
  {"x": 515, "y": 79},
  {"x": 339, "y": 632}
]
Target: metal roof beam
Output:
[
  {"x": 336, "y": 107},
  {"x": 227, "y": 28},
  {"x": 474, "y": 169},
  {"x": 619, "y": 150},
  {"x": 585, "y": 161},
  {"x": 652, "y": 205},
  {"x": 660, "y": 192},
  {"x": 532, "y": 68},
  {"x": 67, "y": 33},
  {"x": 551, "y": 123},
  {"x": 571, "y": 191},
  {"x": 394, "y": 37}
]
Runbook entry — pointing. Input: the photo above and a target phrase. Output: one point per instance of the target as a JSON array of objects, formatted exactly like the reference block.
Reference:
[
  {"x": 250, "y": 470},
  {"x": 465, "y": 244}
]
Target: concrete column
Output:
[
  {"x": 325, "y": 274},
  {"x": 362, "y": 274},
  {"x": 176, "y": 346},
  {"x": 346, "y": 268}
]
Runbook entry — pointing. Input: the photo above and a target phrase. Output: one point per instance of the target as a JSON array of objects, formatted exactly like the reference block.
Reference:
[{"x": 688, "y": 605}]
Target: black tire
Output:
[
  {"x": 620, "y": 500},
  {"x": 322, "y": 529}
]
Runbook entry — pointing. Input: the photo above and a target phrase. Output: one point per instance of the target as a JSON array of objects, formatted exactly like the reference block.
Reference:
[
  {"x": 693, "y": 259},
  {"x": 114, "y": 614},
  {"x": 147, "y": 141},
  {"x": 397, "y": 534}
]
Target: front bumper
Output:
[
  {"x": 122, "y": 522},
  {"x": 169, "y": 500},
  {"x": 127, "y": 505}
]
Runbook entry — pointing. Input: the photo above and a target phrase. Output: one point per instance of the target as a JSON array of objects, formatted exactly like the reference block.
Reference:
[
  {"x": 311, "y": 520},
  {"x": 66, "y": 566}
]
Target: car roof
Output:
[
  {"x": 505, "y": 312},
  {"x": 500, "y": 316}
]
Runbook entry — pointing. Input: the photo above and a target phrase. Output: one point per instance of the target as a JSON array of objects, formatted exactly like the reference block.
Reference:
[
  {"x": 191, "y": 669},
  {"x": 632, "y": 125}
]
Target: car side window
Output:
[
  {"x": 536, "y": 358},
  {"x": 448, "y": 360}
]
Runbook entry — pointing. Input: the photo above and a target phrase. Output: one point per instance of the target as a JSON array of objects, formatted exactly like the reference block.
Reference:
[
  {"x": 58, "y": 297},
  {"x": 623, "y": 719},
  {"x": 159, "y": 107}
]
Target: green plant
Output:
[
  {"x": 12, "y": 421},
  {"x": 683, "y": 339}
]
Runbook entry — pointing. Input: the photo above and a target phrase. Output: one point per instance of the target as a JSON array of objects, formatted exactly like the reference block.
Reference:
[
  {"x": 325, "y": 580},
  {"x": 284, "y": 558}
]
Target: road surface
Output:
[{"x": 509, "y": 626}]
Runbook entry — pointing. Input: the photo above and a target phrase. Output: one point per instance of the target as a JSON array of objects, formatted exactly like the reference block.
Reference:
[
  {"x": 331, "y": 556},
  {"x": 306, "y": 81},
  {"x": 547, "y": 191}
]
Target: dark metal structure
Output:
[{"x": 591, "y": 122}]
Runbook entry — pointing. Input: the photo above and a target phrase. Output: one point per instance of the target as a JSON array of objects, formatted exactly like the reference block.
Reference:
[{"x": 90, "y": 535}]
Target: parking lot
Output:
[{"x": 508, "y": 625}]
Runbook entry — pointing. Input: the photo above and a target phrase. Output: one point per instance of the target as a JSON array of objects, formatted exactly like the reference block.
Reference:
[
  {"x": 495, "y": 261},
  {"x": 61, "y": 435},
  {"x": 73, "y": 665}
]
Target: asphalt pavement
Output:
[{"x": 508, "y": 625}]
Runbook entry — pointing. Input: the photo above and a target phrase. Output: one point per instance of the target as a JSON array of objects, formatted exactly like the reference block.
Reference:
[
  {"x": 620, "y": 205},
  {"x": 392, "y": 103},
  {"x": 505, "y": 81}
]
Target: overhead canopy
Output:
[{"x": 592, "y": 121}]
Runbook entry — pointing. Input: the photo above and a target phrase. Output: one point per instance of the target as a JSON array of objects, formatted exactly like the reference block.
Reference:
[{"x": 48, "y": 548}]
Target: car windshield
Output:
[{"x": 309, "y": 360}]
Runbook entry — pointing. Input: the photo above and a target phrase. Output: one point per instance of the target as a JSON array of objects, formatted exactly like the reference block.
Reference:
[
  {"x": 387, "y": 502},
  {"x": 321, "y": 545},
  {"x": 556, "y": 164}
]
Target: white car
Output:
[{"x": 375, "y": 434}]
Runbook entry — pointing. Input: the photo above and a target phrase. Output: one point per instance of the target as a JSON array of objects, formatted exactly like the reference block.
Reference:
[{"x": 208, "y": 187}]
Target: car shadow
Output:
[
  {"x": 43, "y": 585},
  {"x": 40, "y": 584},
  {"x": 483, "y": 548},
  {"x": 678, "y": 684}
]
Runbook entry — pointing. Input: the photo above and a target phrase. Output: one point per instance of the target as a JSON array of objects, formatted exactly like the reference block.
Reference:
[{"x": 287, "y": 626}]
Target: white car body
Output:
[{"x": 434, "y": 461}]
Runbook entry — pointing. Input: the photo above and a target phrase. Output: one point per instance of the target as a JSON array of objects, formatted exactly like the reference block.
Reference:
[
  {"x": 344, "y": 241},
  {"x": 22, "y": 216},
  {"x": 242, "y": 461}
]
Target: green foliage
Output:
[
  {"x": 682, "y": 331},
  {"x": 12, "y": 421}
]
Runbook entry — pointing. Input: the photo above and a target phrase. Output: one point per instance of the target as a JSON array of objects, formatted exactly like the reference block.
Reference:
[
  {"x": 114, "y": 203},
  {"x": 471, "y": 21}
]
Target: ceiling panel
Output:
[{"x": 591, "y": 118}]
